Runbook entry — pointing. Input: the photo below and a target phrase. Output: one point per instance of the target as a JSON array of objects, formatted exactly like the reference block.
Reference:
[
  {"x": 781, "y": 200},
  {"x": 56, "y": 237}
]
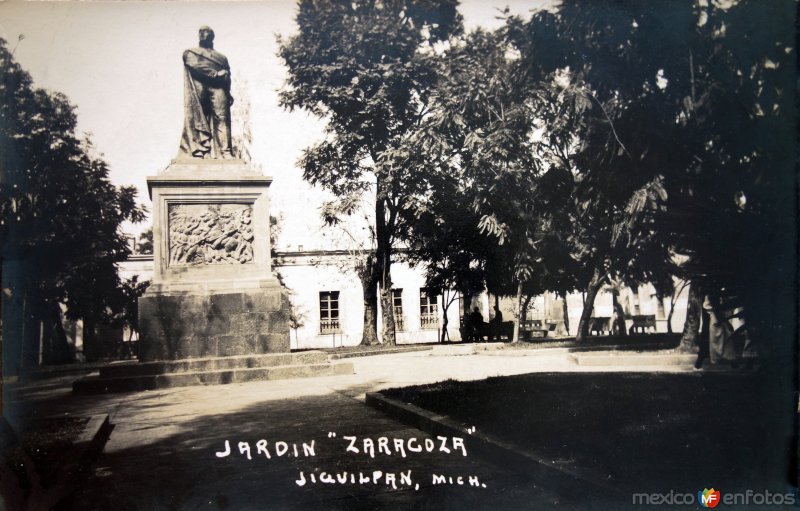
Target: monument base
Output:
[
  {"x": 213, "y": 292},
  {"x": 213, "y": 323}
]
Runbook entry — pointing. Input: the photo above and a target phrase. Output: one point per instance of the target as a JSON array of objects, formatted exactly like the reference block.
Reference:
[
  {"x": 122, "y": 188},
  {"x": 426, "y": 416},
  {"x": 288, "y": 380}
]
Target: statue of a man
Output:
[{"x": 207, "y": 104}]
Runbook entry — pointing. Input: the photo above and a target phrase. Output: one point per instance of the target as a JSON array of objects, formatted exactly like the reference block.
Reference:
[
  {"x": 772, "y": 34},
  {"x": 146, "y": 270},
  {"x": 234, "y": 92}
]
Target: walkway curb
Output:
[
  {"x": 84, "y": 451},
  {"x": 93, "y": 439},
  {"x": 497, "y": 451}
]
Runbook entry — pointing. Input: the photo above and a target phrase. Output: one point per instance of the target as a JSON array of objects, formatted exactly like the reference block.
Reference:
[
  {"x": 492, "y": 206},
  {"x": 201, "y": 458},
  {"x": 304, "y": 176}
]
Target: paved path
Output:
[{"x": 161, "y": 454}]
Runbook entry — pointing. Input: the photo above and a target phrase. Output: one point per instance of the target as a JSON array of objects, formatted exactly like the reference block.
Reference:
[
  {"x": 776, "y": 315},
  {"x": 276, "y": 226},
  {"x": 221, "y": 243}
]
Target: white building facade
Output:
[{"x": 328, "y": 303}]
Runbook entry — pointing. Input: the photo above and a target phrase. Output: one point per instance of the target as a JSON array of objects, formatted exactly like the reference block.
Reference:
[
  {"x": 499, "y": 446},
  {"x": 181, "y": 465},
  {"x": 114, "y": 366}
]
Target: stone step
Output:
[
  {"x": 466, "y": 348},
  {"x": 618, "y": 358},
  {"x": 211, "y": 364},
  {"x": 101, "y": 385}
]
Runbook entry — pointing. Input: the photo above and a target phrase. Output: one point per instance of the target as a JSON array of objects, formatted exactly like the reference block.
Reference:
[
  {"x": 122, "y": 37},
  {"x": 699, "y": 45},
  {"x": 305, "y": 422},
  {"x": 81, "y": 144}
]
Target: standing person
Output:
[
  {"x": 716, "y": 339},
  {"x": 476, "y": 324},
  {"x": 208, "y": 100},
  {"x": 497, "y": 323},
  {"x": 720, "y": 342}
]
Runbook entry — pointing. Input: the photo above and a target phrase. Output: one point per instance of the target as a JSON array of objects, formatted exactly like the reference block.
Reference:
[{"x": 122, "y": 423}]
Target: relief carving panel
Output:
[{"x": 210, "y": 234}]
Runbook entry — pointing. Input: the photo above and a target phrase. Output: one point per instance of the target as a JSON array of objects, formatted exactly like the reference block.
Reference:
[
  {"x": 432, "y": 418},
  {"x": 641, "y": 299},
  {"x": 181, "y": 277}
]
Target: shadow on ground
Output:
[
  {"x": 636, "y": 431},
  {"x": 180, "y": 470}
]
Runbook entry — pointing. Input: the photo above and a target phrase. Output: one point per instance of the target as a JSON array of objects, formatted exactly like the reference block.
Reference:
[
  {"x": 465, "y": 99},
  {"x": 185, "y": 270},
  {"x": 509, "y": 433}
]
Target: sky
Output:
[{"x": 120, "y": 64}]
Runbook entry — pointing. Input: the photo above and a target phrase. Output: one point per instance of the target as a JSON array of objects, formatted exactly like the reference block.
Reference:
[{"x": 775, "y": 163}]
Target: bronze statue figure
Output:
[{"x": 207, "y": 104}]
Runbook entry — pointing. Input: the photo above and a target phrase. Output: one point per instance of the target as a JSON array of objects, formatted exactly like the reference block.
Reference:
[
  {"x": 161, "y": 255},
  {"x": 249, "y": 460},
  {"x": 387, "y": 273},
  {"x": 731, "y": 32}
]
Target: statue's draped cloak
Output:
[{"x": 200, "y": 66}]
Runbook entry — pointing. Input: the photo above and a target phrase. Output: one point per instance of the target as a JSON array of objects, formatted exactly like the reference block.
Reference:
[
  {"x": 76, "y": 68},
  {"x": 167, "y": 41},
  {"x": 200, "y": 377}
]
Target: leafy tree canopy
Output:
[
  {"x": 367, "y": 67},
  {"x": 690, "y": 130},
  {"x": 60, "y": 216}
]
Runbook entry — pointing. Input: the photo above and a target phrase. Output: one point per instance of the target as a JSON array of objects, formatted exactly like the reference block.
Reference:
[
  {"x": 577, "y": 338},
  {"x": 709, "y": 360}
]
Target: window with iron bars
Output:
[
  {"x": 428, "y": 309},
  {"x": 329, "y": 312},
  {"x": 397, "y": 303}
]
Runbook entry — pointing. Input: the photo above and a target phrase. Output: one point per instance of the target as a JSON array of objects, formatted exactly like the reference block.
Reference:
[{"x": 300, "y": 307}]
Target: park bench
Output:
[
  {"x": 490, "y": 331},
  {"x": 642, "y": 322},
  {"x": 599, "y": 325},
  {"x": 486, "y": 331},
  {"x": 535, "y": 329}
]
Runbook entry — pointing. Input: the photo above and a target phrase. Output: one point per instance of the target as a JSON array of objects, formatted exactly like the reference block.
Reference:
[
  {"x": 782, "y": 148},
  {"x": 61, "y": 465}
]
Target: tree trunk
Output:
[
  {"x": 90, "y": 348},
  {"x": 366, "y": 274},
  {"x": 672, "y": 299},
  {"x": 592, "y": 289},
  {"x": 691, "y": 327},
  {"x": 20, "y": 320},
  {"x": 387, "y": 314},
  {"x": 619, "y": 312},
  {"x": 31, "y": 331},
  {"x": 383, "y": 265},
  {"x": 447, "y": 301},
  {"x": 57, "y": 349},
  {"x": 565, "y": 311},
  {"x": 669, "y": 316},
  {"x": 523, "y": 313},
  {"x": 660, "y": 311},
  {"x": 466, "y": 299},
  {"x": 519, "y": 313}
]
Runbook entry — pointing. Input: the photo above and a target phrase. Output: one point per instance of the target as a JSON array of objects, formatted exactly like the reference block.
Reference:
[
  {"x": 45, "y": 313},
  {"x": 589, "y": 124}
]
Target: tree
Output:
[
  {"x": 61, "y": 217},
  {"x": 474, "y": 148},
  {"x": 297, "y": 319},
  {"x": 367, "y": 68},
  {"x": 506, "y": 130},
  {"x": 443, "y": 237},
  {"x": 145, "y": 244},
  {"x": 624, "y": 100},
  {"x": 692, "y": 108},
  {"x": 500, "y": 144},
  {"x": 736, "y": 84},
  {"x": 360, "y": 259},
  {"x": 127, "y": 307},
  {"x": 618, "y": 172}
]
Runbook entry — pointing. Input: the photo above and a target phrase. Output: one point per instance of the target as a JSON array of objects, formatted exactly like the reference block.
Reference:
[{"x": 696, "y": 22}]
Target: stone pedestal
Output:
[{"x": 213, "y": 293}]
